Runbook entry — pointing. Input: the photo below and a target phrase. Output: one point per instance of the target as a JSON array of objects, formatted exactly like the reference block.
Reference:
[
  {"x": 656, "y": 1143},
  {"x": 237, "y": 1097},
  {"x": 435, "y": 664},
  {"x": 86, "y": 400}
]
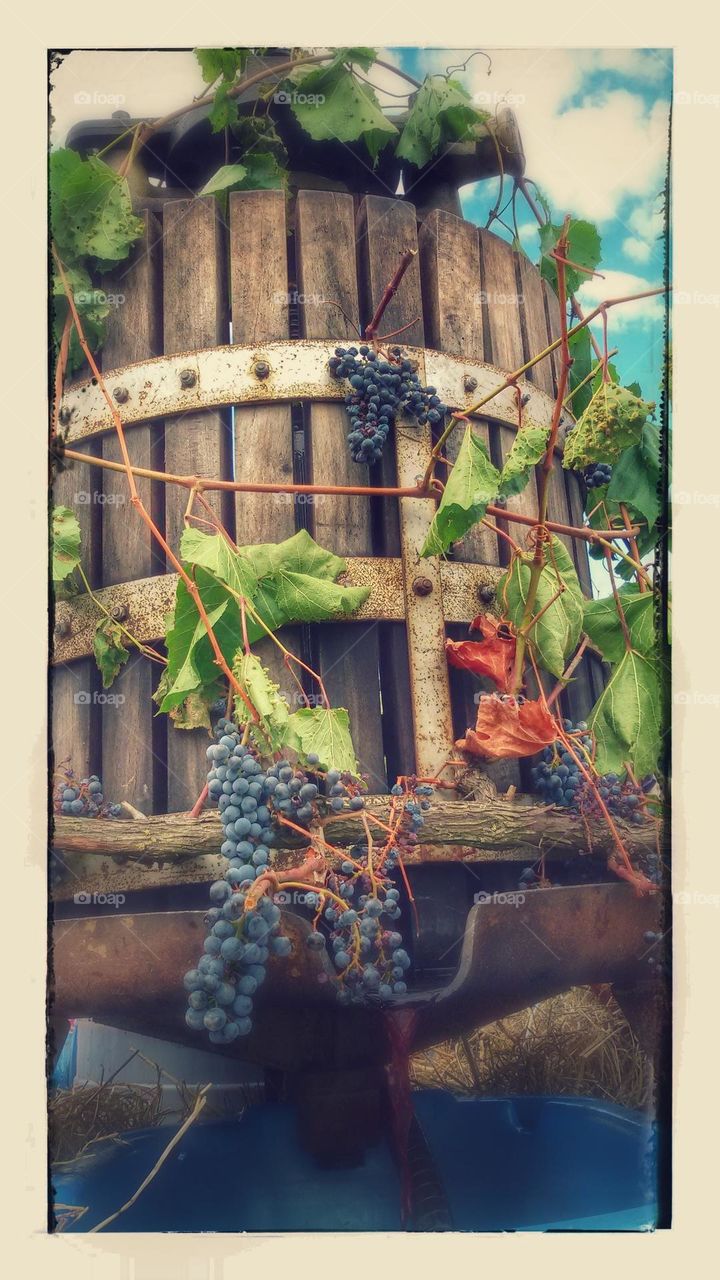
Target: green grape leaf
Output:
[
  {"x": 557, "y": 632},
  {"x": 65, "y": 543},
  {"x": 636, "y": 479},
  {"x": 584, "y": 248},
  {"x": 582, "y": 361},
  {"x": 626, "y": 718},
  {"x": 109, "y": 649},
  {"x": 90, "y": 209},
  {"x": 442, "y": 113},
  {"x": 601, "y": 621},
  {"x": 325, "y": 732},
  {"x": 331, "y": 103},
  {"x": 612, "y": 422},
  {"x": 273, "y": 733},
  {"x": 221, "y": 62},
  {"x": 227, "y": 177},
  {"x": 92, "y": 306},
  {"x": 292, "y": 581},
  {"x": 471, "y": 485},
  {"x": 528, "y": 448},
  {"x": 224, "y": 112}
]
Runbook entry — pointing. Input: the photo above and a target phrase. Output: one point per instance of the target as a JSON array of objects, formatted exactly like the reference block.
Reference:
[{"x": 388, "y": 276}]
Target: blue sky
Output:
[{"x": 594, "y": 124}]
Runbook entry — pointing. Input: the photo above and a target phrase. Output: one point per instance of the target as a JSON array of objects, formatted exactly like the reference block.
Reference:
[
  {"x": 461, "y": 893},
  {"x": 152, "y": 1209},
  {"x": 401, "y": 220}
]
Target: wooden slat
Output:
[
  {"x": 127, "y": 545},
  {"x": 259, "y": 301},
  {"x": 75, "y": 714},
  {"x": 450, "y": 265},
  {"x": 536, "y": 337},
  {"x": 500, "y": 288},
  {"x": 194, "y": 315},
  {"x": 385, "y": 229},
  {"x": 581, "y": 695},
  {"x": 347, "y": 655}
]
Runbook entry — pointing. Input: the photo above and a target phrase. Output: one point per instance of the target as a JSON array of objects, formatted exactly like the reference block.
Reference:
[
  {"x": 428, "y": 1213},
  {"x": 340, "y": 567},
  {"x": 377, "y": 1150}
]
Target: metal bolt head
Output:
[
  {"x": 486, "y": 594},
  {"x": 62, "y": 628},
  {"x": 500, "y": 502},
  {"x": 120, "y": 613},
  {"x": 121, "y": 394},
  {"x": 470, "y": 383},
  {"x": 188, "y": 378},
  {"x": 65, "y": 415},
  {"x": 261, "y": 369},
  {"x": 422, "y": 586}
]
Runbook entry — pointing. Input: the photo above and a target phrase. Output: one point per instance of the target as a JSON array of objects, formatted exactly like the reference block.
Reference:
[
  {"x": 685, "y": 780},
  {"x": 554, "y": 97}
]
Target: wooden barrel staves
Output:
[{"x": 313, "y": 270}]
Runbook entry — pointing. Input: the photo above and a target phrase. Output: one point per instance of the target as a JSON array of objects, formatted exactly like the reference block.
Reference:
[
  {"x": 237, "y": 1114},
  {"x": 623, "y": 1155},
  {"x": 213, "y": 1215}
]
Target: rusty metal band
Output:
[
  {"x": 277, "y": 371},
  {"x": 143, "y": 605}
]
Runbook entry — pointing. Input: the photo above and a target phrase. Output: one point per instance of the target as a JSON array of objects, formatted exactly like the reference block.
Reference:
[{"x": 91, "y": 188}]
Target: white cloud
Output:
[
  {"x": 589, "y": 158},
  {"x": 638, "y": 250},
  {"x": 620, "y": 284}
]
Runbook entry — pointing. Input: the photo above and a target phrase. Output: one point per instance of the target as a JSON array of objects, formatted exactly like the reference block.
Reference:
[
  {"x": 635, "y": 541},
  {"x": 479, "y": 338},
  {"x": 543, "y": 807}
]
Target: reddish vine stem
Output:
[
  {"x": 640, "y": 577},
  {"x": 238, "y": 486},
  {"x": 572, "y": 666},
  {"x": 389, "y": 293}
]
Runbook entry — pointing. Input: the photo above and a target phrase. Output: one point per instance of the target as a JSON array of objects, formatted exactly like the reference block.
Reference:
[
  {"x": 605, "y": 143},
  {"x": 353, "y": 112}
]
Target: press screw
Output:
[
  {"x": 422, "y": 586},
  {"x": 121, "y": 394},
  {"x": 486, "y": 594},
  {"x": 470, "y": 383},
  {"x": 188, "y": 378},
  {"x": 120, "y": 613},
  {"x": 62, "y": 628},
  {"x": 261, "y": 369}
]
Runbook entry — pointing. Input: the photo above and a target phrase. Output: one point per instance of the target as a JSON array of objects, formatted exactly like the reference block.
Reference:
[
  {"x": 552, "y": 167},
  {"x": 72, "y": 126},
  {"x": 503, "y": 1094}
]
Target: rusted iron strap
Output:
[
  {"x": 142, "y": 606},
  {"x": 276, "y": 371}
]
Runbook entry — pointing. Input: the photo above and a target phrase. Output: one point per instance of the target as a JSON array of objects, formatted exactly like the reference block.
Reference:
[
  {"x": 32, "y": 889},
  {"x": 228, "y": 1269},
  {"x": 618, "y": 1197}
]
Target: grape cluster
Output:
[
  {"x": 367, "y": 952},
  {"x": 242, "y": 935},
  {"x": 557, "y": 778},
  {"x": 380, "y": 392},
  {"x": 83, "y": 799},
  {"x": 598, "y": 475}
]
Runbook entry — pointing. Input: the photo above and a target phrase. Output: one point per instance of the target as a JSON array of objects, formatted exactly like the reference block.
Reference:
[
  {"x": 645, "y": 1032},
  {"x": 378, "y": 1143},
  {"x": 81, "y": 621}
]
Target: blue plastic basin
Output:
[{"x": 506, "y": 1164}]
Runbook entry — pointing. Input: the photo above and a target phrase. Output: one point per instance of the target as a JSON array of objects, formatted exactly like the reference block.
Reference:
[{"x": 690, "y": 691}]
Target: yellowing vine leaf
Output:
[
  {"x": 612, "y": 422},
  {"x": 471, "y": 485},
  {"x": 325, "y": 732},
  {"x": 528, "y": 448},
  {"x": 267, "y": 700},
  {"x": 109, "y": 649},
  {"x": 65, "y": 543}
]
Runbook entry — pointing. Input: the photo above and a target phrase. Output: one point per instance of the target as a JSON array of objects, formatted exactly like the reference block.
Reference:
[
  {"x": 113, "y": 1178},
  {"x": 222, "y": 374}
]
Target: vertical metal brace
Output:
[{"x": 429, "y": 681}]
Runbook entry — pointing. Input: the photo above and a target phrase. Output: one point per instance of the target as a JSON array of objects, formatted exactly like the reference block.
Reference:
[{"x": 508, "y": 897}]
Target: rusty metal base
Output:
[{"x": 128, "y": 970}]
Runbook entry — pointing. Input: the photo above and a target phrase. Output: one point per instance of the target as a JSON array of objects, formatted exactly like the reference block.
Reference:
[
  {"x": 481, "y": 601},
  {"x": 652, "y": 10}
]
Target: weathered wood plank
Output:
[
  {"x": 348, "y": 656},
  {"x": 194, "y": 315},
  {"x": 386, "y": 229},
  {"x": 134, "y": 333},
  {"x": 500, "y": 290},
  {"x": 451, "y": 278},
  {"x": 259, "y": 308}
]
